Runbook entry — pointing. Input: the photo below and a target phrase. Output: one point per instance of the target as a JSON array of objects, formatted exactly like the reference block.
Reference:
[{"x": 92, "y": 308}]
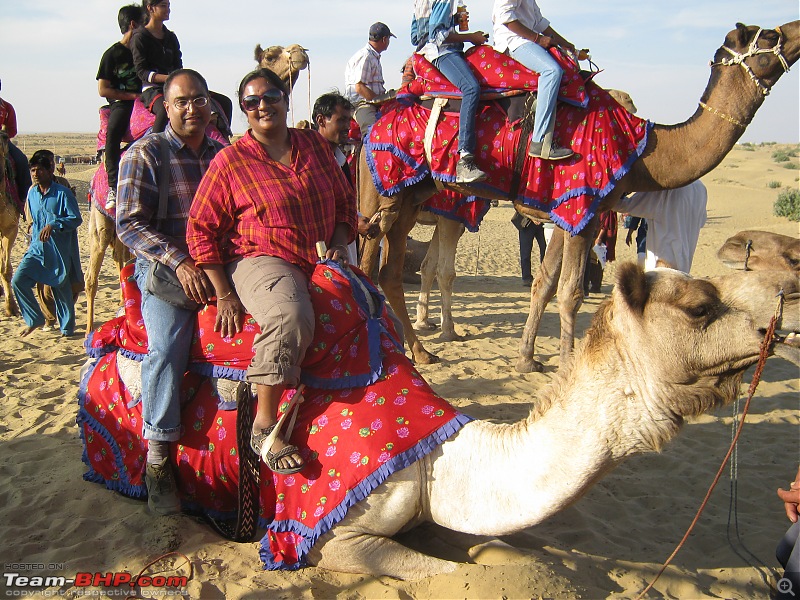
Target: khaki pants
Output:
[{"x": 275, "y": 293}]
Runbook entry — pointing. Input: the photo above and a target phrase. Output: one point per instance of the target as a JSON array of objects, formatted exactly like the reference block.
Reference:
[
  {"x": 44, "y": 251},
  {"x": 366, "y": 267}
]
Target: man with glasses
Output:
[{"x": 169, "y": 328}]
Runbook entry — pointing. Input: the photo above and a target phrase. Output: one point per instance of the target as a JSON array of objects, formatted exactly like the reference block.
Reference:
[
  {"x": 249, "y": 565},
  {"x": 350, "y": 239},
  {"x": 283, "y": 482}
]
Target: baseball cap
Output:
[{"x": 379, "y": 30}]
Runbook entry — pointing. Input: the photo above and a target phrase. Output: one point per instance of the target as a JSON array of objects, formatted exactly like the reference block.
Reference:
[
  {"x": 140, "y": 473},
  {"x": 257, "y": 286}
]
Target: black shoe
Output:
[
  {"x": 556, "y": 152},
  {"x": 527, "y": 282},
  {"x": 467, "y": 171}
]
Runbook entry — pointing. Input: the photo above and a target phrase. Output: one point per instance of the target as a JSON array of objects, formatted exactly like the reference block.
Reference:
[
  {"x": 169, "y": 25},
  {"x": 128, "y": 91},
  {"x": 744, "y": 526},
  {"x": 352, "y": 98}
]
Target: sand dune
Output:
[{"x": 609, "y": 544}]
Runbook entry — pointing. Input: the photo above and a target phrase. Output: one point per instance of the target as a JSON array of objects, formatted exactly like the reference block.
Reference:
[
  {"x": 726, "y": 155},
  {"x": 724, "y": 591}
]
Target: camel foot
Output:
[
  {"x": 528, "y": 365},
  {"x": 423, "y": 357},
  {"x": 451, "y": 336},
  {"x": 424, "y": 326}
]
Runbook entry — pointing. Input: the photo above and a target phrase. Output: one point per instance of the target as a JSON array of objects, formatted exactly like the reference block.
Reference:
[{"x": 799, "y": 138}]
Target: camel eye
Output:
[{"x": 699, "y": 312}]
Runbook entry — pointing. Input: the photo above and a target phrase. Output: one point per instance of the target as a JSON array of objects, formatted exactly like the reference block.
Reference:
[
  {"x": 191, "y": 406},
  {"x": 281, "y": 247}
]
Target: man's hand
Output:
[
  {"x": 629, "y": 237},
  {"x": 45, "y": 233},
  {"x": 195, "y": 283},
  {"x": 367, "y": 229},
  {"x": 791, "y": 498},
  {"x": 478, "y": 38}
]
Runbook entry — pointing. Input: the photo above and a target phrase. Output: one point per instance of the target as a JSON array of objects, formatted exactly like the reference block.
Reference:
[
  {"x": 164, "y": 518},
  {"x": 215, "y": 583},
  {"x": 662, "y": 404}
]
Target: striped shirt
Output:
[
  {"x": 138, "y": 191},
  {"x": 363, "y": 67},
  {"x": 433, "y": 22},
  {"x": 251, "y": 205}
]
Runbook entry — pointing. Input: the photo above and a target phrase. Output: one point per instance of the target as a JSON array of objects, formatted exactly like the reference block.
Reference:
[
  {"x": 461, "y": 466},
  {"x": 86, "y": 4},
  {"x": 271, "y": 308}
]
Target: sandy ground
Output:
[{"x": 609, "y": 544}]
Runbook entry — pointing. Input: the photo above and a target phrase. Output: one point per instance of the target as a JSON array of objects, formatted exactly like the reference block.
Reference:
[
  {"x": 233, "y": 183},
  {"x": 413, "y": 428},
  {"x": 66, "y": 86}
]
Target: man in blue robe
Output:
[{"x": 53, "y": 256}]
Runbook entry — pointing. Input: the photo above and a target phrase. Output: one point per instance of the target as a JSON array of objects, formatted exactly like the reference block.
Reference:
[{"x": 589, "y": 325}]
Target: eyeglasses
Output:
[
  {"x": 271, "y": 96},
  {"x": 183, "y": 103}
]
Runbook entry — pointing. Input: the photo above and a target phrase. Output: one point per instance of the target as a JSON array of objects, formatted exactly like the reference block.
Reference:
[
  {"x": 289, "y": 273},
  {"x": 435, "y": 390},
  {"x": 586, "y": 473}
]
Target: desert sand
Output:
[{"x": 608, "y": 545}]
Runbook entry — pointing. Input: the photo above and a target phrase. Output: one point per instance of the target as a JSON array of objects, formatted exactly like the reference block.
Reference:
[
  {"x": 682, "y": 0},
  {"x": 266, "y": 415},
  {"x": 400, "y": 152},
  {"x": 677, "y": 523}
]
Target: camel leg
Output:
[
  {"x": 570, "y": 284},
  {"x": 391, "y": 279},
  {"x": 353, "y": 551},
  {"x": 120, "y": 255},
  {"x": 450, "y": 232},
  {"x": 542, "y": 291},
  {"x": 427, "y": 271},
  {"x": 7, "y": 238},
  {"x": 101, "y": 235}
]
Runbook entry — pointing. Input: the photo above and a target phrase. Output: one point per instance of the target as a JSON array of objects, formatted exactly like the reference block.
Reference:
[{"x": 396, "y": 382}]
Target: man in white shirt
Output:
[
  {"x": 674, "y": 219},
  {"x": 520, "y": 29},
  {"x": 363, "y": 76}
]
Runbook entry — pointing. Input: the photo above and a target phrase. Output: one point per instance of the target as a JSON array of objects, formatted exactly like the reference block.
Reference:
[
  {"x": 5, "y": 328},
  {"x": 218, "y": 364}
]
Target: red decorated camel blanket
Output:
[
  {"x": 367, "y": 413},
  {"x": 606, "y": 138}
]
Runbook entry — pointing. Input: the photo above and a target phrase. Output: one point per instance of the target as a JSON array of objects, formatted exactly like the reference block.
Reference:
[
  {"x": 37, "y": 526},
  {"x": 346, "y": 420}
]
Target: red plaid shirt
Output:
[{"x": 250, "y": 205}]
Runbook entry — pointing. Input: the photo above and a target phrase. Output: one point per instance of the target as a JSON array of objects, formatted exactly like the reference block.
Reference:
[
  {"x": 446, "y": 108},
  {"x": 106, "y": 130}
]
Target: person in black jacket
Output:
[{"x": 156, "y": 54}]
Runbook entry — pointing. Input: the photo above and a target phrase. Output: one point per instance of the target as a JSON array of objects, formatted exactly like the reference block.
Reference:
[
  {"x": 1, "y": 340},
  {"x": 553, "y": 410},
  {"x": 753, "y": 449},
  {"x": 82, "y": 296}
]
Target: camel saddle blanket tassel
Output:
[
  {"x": 606, "y": 138},
  {"x": 367, "y": 413}
]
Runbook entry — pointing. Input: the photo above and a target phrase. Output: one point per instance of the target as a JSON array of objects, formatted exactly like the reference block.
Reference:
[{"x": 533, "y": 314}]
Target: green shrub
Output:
[
  {"x": 780, "y": 156},
  {"x": 791, "y": 165},
  {"x": 774, "y": 184},
  {"x": 788, "y": 205}
]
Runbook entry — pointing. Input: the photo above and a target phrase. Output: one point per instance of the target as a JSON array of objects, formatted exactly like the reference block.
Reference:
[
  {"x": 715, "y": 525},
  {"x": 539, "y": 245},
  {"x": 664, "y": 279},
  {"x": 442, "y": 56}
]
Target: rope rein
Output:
[
  {"x": 762, "y": 359},
  {"x": 739, "y": 59}
]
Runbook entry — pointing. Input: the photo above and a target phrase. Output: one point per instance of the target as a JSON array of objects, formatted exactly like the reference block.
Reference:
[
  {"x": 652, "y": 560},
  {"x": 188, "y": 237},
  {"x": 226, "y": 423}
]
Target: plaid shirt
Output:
[
  {"x": 250, "y": 205},
  {"x": 137, "y": 196}
]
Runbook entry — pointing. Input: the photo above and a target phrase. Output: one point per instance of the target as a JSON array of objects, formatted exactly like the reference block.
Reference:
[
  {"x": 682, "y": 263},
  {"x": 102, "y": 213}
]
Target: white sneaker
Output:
[{"x": 111, "y": 199}]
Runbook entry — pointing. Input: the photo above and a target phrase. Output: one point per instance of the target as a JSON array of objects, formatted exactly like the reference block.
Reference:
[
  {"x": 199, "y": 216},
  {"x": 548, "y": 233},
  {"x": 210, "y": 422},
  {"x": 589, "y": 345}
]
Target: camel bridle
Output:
[
  {"x": 739, "y": 59},
  {"x": 753, "y": 50}
]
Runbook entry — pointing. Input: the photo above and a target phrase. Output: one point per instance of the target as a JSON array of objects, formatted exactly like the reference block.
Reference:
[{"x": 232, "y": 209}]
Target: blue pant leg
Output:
[
  {"x": 23, "y": 284},
  {"x": 65, "y": 307},
  {"x": 169, "y": 339},
  {"x": 455, "y": 68},
  {"x": 538, "y": 59}
]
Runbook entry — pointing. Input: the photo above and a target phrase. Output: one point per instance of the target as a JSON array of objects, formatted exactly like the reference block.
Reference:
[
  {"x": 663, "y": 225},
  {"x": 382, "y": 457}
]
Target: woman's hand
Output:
[{"x": 230, "y": 315}]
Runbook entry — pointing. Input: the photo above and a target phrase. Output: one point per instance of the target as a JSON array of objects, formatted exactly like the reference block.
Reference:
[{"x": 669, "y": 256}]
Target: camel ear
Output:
[
  {"x": 741, "y": 30},
  {"x": 632, "y": 286},
  {"x": 259, "y": 51}
]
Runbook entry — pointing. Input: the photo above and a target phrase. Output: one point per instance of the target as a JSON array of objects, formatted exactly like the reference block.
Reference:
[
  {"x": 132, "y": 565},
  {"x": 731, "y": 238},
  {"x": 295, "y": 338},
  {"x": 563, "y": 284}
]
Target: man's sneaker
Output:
[
  {"x": 162, "y": 493},
  {"x": 556, "y": 152},
  {"x": 467, "y": 171},
  {"x": 111, "y": 199}
]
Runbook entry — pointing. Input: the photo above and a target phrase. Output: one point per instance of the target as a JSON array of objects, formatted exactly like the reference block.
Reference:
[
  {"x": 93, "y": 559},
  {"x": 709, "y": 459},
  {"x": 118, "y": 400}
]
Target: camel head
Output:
[
  {"x": 683, "y": 344},
  {"x": 763, "y": 54},
  {"x": 761, "y": 251},
  {"x": 624, "y": 99},
  {"x": 285, "y": 62}
]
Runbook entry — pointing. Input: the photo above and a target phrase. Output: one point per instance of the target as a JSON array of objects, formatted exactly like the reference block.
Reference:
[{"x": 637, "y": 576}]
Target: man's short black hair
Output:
[
  {"x": 43, "y": 158},
  {"x": 191, "y": 73},
  {"x": 126, "y": 14},
  {"x": 327, "y": 103}
]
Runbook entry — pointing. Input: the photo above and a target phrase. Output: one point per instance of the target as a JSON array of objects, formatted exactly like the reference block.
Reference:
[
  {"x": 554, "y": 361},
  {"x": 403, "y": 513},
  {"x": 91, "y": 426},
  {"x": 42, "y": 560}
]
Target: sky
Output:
[{"x": 657, "y": 51}]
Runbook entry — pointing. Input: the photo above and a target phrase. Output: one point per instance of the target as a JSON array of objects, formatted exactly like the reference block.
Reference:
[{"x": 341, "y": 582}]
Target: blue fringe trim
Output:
[
  {"x": 137, "y": 356},
  {"x": 358, "y": 493},
  {"x": 220, "y": 372}
]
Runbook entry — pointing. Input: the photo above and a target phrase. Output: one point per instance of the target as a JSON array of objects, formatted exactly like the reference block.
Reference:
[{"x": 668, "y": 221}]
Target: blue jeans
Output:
[
  {"x": 169, "y": 339},
  {"x": 538, "y": 59},
  {"x": 455, "y": 68}
]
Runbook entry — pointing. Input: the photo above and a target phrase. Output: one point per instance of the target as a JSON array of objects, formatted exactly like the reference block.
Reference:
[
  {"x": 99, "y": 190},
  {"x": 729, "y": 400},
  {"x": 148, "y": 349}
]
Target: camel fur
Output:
[
  {"x": 766, "y": 251},
  {"x": 9, "y": 227},
  {"x": 662, "y": 348},
  {"x": 286, "y": 62},
  {"x": 675, "y": 156}
]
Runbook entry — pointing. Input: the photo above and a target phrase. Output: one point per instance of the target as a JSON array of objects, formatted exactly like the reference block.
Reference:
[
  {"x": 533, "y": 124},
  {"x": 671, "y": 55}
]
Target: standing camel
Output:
[
  {"x": 744, "y": 69},
  {"x": 285, "y": 62},
  {"x": 9, "y": 224}
]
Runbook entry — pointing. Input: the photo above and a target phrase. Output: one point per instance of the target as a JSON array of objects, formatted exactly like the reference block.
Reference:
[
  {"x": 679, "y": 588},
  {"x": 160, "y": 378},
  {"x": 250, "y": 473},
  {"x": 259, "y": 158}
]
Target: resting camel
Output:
[
  {"x": 9, "y": 225},
  {"x": 744, "y": 69},
  {"x": 287, "y": 63},
  {"x": 760, "y": 251},
  {"x": 663, "y": 347}
]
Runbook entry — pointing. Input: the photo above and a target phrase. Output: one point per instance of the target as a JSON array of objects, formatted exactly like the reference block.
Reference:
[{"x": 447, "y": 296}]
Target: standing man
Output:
[
  {"x": 169, "y": 328},
  {"x": 331, "y": 115},
  {"x": 22, "y": 175},
  {"x": 520, "y": 28},
  {"x": 118, "y": 83},
  {"x": 53, "y": 257},
  {"x": 363, "y": 77},
  {"x": 528, "y": 230}
]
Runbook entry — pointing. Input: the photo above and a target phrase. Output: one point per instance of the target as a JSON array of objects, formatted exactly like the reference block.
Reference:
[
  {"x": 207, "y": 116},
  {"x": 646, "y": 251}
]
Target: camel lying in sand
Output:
[
  {"x": 663, "y": 347},
  {"x": 761, "y": 251}
]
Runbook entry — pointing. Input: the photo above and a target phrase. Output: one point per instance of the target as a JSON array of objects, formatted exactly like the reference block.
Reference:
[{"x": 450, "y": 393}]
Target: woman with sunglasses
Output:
[
  {"x": 156, "y": 54},
  {"x": 254, "y": 223}
]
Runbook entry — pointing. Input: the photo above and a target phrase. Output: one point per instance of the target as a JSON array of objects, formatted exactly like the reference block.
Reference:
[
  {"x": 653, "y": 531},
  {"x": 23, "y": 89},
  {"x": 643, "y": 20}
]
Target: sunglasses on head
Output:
[{"x": 271, "y": 96}]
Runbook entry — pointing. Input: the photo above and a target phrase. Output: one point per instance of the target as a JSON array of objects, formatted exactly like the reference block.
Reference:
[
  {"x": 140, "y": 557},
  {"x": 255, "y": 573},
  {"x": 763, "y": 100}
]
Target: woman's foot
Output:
[{"x": 282, "y": 457}]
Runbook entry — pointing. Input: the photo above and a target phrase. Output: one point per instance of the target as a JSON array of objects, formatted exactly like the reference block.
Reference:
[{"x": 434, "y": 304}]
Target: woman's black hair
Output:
[{"x": 261, "y": 73}]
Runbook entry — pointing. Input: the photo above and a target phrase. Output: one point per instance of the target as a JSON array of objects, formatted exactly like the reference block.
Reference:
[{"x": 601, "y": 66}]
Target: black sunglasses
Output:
[{"x": 271, "y": 96}]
